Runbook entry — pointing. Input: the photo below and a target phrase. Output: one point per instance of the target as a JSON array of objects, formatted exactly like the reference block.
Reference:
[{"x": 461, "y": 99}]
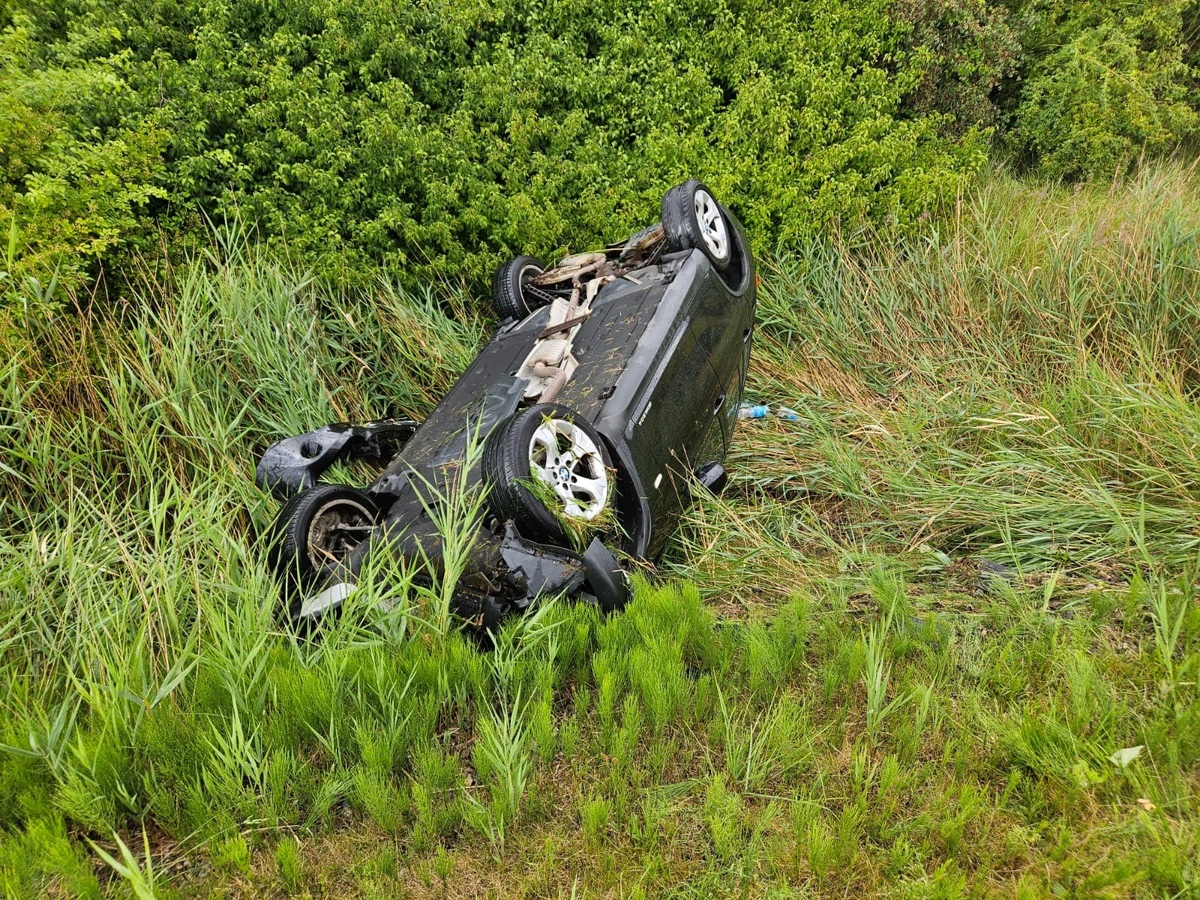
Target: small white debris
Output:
[{"x": 1125, "y": 756}]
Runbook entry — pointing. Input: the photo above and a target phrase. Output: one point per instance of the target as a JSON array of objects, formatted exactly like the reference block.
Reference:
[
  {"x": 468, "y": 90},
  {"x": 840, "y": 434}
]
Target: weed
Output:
[
  {"x": 436, "y": 787},
  {"x": 456, "y": 508},
  {"x": 578, "y": 531},
  {"x": 289, "y": 864},
  {"x": 139, "y": 875},
  {"x": 723, "y": 818},
  {"x": 1168, "y": 625},
  {"x": 376, "y": 795},
  {"x": 876, "y": 676},
  {"x": 771, "y": 744},
  {"x": 594, "y": 817}
]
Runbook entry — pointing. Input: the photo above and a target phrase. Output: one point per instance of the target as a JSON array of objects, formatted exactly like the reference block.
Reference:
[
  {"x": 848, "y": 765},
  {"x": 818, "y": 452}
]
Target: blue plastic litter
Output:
[{"x": 762, "y": 410}]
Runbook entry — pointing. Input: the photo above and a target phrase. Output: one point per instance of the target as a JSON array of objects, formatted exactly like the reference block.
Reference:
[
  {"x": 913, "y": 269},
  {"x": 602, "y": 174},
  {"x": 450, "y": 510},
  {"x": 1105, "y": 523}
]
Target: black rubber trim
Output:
[{"x": 605, "y": 577}]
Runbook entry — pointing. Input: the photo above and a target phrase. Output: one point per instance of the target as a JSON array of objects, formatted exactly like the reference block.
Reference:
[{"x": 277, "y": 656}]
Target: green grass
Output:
[{"x": 837, "y": 691}]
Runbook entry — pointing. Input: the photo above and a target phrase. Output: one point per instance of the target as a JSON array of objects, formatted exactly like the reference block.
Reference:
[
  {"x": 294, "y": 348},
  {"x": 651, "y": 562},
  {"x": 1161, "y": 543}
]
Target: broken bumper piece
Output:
[{"x": 294, "y": 464}]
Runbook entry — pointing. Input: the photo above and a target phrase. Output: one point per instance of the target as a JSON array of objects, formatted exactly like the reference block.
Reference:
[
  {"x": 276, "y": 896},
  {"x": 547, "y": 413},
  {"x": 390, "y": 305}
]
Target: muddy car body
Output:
[{"x": 608, "y": 392}]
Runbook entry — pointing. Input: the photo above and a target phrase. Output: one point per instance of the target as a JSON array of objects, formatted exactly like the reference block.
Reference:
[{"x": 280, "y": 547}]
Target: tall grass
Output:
[
  {"x": 1019, "y": 385},
  {"x": 901, "y": 655}
]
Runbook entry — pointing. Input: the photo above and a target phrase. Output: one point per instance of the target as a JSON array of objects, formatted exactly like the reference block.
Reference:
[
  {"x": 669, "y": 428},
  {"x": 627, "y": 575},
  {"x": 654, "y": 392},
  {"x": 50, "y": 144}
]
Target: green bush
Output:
[
  {"x": 1103, "y": 84},
  {"x": 971, "y": 47},
  {"x": 72, "y": 188},
  {"x": 437, "y": 139}
]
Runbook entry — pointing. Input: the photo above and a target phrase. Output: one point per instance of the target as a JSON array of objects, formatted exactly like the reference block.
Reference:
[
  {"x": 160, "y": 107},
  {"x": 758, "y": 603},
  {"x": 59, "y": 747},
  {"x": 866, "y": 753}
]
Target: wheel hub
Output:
[
  {"x": 712, "y": 224},
  {"x": 567, "y": 460},
  {"x": 336, "y": 530}
]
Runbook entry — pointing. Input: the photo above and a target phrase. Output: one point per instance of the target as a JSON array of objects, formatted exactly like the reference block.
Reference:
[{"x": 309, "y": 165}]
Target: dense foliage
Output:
[
  {"x": 1104, "y": 82},
  {"x": 436, "y": 138}
]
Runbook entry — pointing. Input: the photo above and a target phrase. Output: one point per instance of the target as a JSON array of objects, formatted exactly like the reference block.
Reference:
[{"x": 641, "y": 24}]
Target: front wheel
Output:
[
  {"x": 316, "y": 530},
  {"x": 693, "y": 220},
  {"x": 548, "y": 470}
]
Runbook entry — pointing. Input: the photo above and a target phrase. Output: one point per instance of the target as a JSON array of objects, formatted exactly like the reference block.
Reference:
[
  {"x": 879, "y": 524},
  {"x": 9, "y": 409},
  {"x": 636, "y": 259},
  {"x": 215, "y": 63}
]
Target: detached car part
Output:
[{"x": 610, "y": 388}]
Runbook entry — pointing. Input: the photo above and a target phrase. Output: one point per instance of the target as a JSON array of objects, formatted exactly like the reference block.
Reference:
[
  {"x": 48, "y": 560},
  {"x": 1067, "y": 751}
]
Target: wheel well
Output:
[
  {"x": 631, "y": 515},
  {"x": 736, "y": 273}
]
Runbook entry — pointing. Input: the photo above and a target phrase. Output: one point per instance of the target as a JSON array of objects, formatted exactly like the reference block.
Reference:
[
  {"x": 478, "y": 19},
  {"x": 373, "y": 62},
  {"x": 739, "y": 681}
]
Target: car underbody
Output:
[{"x": 606, "y": 395}]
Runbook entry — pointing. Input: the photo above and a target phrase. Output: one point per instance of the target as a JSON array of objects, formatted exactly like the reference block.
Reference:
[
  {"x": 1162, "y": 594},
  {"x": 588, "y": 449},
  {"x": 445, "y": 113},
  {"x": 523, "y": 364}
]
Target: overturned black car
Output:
[{"x": 610, "y": 388}]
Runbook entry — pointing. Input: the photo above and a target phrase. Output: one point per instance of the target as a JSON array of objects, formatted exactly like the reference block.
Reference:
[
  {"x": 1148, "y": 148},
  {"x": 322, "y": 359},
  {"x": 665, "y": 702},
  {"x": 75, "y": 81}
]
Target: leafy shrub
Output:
[
  {"x": 71, "y": 189},
  {"x": 971, "y": 47},
  {"x": 1103, "y": 84},
  {"x": 437, "y": 140}
]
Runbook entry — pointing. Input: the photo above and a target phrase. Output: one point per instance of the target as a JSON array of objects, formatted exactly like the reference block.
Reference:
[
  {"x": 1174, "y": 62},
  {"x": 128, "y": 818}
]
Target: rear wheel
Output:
[
  {"x": 548, "y": 470},
  {"x": 316, "y": 530},
  {"x": 693, "y": 220},
  {"x": 509, "y": 284}
]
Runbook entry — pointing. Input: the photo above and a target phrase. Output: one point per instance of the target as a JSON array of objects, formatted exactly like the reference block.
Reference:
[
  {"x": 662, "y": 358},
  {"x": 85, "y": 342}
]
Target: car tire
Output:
[
  {"x": 693, "y": 220},
  {"x": 552, "y": 443},
  {"x": 508, "y": 287},
  {"x": 316, "y": 530}
]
